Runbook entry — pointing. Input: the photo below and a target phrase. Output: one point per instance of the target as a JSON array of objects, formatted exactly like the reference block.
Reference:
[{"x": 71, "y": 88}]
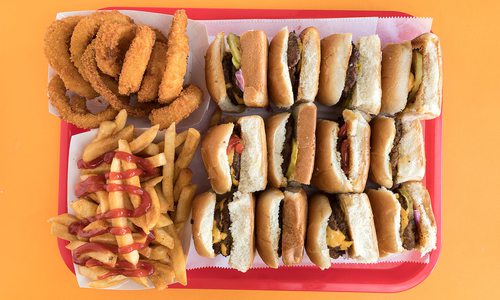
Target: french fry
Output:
[
  {"x": 150, "y": 150},
  {"x": 97, "y": 225},
  {"x": 168, "y": 168},
  {"x": 157, "y": 161},
  {"x": 106, "y": 129},
  {"x": 164, "y": 220},
  {"x": 134, "y": 181},
  {"x": 146, "y": 252},
  {"x": 98, "y": 148},
  {"x": 144, "y": 139},
  {"x": 158, "y": 252},
  {"x": 184, "y": 178},
  {"x": 106, "y": 238},
  {"x": 120, "y": 120},
  {"x": 141, "y": 280},
  {"x": 103, "y": 201},
  {"x": 61, "y": 231},
  {"x": 63, "y": 219},
  {"x": 153, "y": 214},
  {"x": 163, "y": 276},
  {"x": 177, "y": 256},
  {"x": 180, "y": 138},
  {"x": 74, "y": 244},
  {"x": 106, "y": 257},
  {"x": 164, "y": 206},
  {"x": 188, "y": 150},
  {"x": 84, "y": 208},
  {"x": 107, "y": 282},
  {"x": 152, "y": 182},
  {"x": 184, "y": 204},
  {"x": 116, "y": 199},
  {"x": 104, "y": 168},
  {"x": 163, "y": 238},
  {"x": 92, "y": 273}
]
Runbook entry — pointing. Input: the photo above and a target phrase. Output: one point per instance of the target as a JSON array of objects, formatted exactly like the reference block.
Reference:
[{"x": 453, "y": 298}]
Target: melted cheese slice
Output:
[{"x": 335, "y": 238}]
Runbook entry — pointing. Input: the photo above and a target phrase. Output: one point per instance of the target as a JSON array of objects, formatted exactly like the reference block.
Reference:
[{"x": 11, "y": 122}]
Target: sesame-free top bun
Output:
[
  {"x": 253, "y": 166},
  {"x": 203, "y": 219},
  {"x": 359, "y": 218},
  {"x": 310, "y": 65},
  {"x": 280, "y": 85},
  {"x": 411, "y": 153},
  {"x": 427, "y": 224},
  {"x": 367, "y": 92},
  {"x": 214, "y": 75},
  {"x": 275, "y": 135},
  {"x": 396, "y": 65},
  {"x": 242, "y": 215},
  {"x": 294, "y": 226},
  {"x": 328, "y": 174},
  {"x": 214, "y": 156},
  {"x": 387, "y": 217},
  {"x": 254, "y": 68},
  {"x": 335, "y": 53},
  {"x": 316, "y": 247},
  {"x": 383, "y": 132},
  {"x": 267, "y": 229},
  {"x": 305, "y": 123},
  {"x": 427, "y": 102}
]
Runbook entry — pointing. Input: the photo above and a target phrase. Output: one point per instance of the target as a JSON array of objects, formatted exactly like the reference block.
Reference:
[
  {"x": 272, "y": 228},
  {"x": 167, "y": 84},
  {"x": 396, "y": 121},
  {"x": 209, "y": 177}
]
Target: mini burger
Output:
[
  {"x": 404, "y": 219},
  {"x": 342, "y": 154},
  {"x": 350, "y": 73},
  {"x": 291, "y": 145},
  {"x": 340, "y": 226},
  {"x": 281, "y": 221},
  {"x": 224, "y": 224},
  {"x": 294, "y": 62},
  {"x": 397, "y": 151},
  {"x": 238, "y": 77},
  {"x": 412, "y": 78},
  {"x": 235, "y": 154}
]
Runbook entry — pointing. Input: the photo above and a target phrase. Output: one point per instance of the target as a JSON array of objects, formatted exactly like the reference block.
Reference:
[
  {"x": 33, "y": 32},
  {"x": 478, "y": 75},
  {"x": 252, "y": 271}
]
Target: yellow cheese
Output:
[
  {"x": 404, "y": 219},
  {"x": 223, "y": 249},
  {"x": 216, "y": 234},
  {"x": 335, "y": 238},
  {"x": 293, "y": 159}
]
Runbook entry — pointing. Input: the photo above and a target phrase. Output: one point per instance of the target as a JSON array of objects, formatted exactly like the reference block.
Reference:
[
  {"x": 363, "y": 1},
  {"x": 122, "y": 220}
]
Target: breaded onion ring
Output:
[
  {"x": 136, "y": 60},
  {"x": 176, "y": 63},
  {"x": 86, "y": 30},
  {"x": 154, "y": 72},
  {"x": 78, "y": 104},
  {"x": 187, "y": 102},
  {"x": 108, "y": 88},
  {"x": 56, "y": 49},
  {"x": 58, "y": 98},
  {"x": 111, "y": 44}
]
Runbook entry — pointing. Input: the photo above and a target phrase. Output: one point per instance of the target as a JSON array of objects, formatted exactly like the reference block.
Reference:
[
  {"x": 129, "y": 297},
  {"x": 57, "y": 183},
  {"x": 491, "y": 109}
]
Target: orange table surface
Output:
[{"x": 469, "y": 266}]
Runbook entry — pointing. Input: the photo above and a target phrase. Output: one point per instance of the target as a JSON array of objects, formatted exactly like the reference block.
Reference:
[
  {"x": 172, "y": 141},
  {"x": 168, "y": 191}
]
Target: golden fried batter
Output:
[
  {"x": 56, "y": 50},
  {"x": 154, "y": 72},
  {"x": 112, "y": 42},
  {"x": 136, "y": 60},
  {"x": 58, "y": 98},
  {"x": 176, "y": 63},
  {"x": 187, "y": 102}
]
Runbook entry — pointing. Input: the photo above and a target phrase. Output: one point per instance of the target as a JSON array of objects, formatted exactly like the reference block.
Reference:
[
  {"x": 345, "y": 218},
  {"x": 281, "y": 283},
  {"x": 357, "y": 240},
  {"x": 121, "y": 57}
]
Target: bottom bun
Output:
[{"x": 241, "y": 211}]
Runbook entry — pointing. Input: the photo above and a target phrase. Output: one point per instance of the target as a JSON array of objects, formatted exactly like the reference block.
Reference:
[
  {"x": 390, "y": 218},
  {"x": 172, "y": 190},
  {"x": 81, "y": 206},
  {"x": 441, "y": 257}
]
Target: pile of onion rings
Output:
[{"x": 128, "y": 66}]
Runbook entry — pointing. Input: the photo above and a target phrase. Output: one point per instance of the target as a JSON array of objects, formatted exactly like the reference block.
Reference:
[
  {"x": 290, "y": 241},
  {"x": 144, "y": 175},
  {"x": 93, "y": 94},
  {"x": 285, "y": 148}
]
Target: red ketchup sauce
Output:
[{"x": 97, "y": 183}]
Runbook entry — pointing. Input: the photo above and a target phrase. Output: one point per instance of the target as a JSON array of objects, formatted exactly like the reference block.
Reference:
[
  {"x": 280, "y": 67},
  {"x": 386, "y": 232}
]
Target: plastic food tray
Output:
[{"x": 380, "y": 277}]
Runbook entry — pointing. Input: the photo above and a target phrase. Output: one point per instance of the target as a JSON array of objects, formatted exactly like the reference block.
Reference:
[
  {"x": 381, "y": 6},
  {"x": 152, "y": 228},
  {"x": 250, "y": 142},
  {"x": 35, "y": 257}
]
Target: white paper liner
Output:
[
  {"x": 198, "y": 44},
  {"x": 389, "y": 29}
]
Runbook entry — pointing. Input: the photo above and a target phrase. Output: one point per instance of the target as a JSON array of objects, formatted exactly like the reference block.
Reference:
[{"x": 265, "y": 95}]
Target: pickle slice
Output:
[
  {"x": 293, "y": 159},
  {"x": 234, "y": 46},
  {"x": 416, "y": 66}
]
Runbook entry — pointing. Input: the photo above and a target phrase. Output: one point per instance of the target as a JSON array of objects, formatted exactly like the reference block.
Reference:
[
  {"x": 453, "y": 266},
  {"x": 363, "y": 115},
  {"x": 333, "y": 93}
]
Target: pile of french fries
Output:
[{"x": 171, "y": 193}]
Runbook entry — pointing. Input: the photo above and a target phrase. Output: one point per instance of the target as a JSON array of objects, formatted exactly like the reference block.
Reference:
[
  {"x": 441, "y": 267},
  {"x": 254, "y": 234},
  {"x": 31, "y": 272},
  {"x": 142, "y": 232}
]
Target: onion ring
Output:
[
  {"x": 112, "y": 41},
  {"x": 187, "y": 102},
  {"x": 136, "y": 60},
  {"x": 154, "y": 72},
  {"x": 86, "y": 30},
  {"x": 56, "y": 50},
  {"x": 107, "y": 87},
  {"x": 176, "y": 61},
  {"x": 58, "y": 98},
  {"x": 78, "y": 104}
]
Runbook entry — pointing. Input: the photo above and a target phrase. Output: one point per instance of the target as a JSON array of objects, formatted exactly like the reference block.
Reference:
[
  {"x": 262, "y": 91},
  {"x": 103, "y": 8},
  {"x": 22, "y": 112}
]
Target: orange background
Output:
[{"x": 30, "y": 265}]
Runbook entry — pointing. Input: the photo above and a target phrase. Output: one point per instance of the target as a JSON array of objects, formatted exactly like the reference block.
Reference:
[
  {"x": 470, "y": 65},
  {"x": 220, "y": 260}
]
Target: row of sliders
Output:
[
  {"x": 402, "y": 78},
  {"x": 362, "y": 226}
]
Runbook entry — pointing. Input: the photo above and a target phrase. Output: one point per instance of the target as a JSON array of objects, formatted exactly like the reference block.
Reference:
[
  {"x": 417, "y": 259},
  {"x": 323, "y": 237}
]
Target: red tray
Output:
[{"x": 381, "y": 277}]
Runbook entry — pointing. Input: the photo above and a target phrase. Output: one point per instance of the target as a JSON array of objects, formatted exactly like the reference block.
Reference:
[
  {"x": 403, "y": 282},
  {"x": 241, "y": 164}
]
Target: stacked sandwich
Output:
[{"x": 382, "y": 94}]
